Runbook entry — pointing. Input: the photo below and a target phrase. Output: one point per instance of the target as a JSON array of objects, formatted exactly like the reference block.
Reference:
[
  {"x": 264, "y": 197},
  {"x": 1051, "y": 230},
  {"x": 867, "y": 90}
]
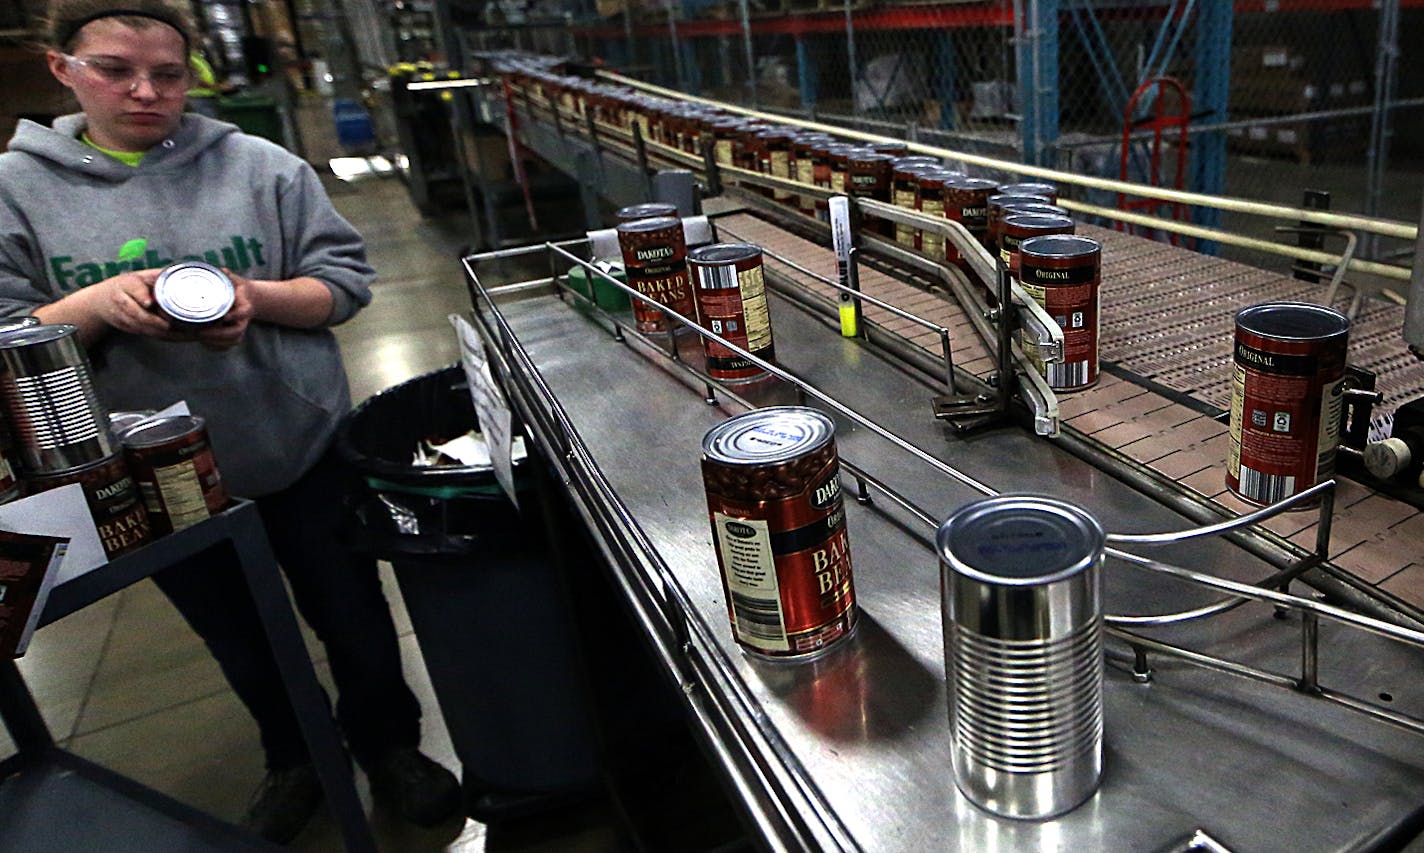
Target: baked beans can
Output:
[
  {"x": 778, "y": 520},
  {"x": 647, "y": 210},
  {"x": 868, "y": 176},
  {"x": 730, "y": 287},
  {"x": 1062, "y": 272},
  {"x": 1018, "y": 227},
  {"x": 929, "y": 200},
  {"x": 192, "y": 293},
  {"x": 113, "y": 498},
  {"x": 905, "y": 192},
  {"x": 171, "y": 460},
  {"x": 994, "y": 215},
  {"x": 1042, "y": 188},
  {"x": 968, "y": 201},
  {"x": 655, "y": 258},
  {"x": 1287, "y": 395}
]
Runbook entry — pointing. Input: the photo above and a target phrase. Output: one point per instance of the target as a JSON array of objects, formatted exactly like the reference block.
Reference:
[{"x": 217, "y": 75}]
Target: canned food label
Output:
[
  {"x": 806, "y": 170},
  {"x": 838, "y": 181},
  {"x": 780, "y": 167},
  {"x": 905, "y": 234},
  {"x": 724, "y": 151},
  {"x": 733, "y": 304},
  {"x": 1275, "y": 425},
  {"x": 180, "y": 494},
  {"x": 1071, "y": 298},
  {"x": 933, "y": 244},
  {"x": 750, "y": 566}
]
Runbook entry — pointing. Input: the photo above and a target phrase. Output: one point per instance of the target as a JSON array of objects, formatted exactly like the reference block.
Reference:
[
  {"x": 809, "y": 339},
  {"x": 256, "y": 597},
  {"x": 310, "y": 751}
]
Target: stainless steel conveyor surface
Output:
[{"x": 852, "y": 751}]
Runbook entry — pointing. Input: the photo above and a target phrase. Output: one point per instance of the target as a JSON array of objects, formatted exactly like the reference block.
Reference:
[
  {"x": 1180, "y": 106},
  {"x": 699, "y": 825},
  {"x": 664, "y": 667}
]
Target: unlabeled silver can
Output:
[
  {"x": 47, "y": 390},
  {"x": 1021, "y": 599},
  {"x": 194, "y": 293}
]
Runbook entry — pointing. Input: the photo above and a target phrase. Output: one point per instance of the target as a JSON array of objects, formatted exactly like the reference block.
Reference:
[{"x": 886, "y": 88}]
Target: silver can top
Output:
[
  {"x": 35, "y": 335},
  {"x": 156, "y": 431},
  {"x": 1293, "y": 321},
  {"x": 768, "y": 436},
  {"x": 193, "y": 292},
  {"x": 1020, "y": 540}
]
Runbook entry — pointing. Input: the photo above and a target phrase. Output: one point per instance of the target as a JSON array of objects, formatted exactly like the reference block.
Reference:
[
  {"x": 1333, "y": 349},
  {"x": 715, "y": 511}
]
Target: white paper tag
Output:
[{"x": 490, "y": 405}]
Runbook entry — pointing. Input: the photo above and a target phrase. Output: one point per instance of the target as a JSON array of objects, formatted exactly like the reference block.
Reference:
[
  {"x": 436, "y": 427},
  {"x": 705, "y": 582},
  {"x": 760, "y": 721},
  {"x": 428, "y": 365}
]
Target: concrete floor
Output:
[{"x": 127, "y": 684}]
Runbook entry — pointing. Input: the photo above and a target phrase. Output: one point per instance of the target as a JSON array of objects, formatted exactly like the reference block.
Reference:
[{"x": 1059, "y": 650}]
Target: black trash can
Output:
[{"x": 486, "y": 598}]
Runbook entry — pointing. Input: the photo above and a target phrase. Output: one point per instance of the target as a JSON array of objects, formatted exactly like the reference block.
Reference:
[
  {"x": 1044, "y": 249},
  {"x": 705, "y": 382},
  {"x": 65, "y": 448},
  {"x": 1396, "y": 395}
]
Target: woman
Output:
[{"x": 89, "y": 212}]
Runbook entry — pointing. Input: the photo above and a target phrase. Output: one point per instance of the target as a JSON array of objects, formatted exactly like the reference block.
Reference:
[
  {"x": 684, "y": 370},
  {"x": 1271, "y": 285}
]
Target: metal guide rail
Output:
[{"x": 1208, "y": 668}]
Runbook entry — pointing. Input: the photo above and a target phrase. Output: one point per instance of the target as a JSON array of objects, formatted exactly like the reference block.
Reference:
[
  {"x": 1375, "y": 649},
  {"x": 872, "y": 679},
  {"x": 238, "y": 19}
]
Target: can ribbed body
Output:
[
  {"x": 171, "y": 461},
  {"x": 1062, "y": 273},
  {"x": 113, "y": 498},
  {"x": 772, "y": 478},
  {"x": 655, "y": 258},
  {"x": 48, "y": 393},
  {"x": 1286, "y": 399},
  {"x": 730, "y": 287},
  {"x": 1022, "y": 615}
]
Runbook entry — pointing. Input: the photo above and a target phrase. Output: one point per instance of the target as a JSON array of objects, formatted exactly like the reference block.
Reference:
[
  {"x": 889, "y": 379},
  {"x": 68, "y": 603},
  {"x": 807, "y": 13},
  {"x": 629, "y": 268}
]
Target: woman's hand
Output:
[
  {"x": 230, "y": 330},
  {"x": 123, "y": 302}
]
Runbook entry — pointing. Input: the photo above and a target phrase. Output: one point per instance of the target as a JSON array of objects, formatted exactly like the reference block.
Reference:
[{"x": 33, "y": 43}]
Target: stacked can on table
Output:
[
  {"x": 171, "y": 460},
  {"x": 62, "y": 433}
]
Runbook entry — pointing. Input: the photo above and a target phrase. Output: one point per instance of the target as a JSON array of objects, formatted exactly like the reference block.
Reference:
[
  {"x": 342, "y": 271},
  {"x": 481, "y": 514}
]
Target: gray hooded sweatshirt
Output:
[{"x": 209, "y": 193}]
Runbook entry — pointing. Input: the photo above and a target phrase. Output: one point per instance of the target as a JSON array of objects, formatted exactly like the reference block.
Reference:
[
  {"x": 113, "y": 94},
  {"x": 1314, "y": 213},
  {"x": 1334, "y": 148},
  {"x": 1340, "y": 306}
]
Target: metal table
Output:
[{"x": 851, "y": 751}]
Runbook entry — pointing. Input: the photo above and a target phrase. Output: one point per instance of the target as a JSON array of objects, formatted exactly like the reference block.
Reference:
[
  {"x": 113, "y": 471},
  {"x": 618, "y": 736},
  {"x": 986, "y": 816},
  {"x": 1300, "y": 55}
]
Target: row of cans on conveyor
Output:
[{"x": 142, "y": 476}]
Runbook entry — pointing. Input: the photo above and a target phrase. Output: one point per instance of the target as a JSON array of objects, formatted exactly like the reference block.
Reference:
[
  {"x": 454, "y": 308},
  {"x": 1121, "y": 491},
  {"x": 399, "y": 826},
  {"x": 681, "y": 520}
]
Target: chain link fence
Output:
[{"x": 1276, "y": 96}]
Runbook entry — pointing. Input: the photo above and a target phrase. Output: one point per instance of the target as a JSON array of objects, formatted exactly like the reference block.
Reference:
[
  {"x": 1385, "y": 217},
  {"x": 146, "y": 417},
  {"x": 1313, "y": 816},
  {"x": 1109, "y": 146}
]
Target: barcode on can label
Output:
[
  {"x": 1068, "y": 375},
  {"x": 1266, "y": 488},
  {"x": 757, "y": 617}
]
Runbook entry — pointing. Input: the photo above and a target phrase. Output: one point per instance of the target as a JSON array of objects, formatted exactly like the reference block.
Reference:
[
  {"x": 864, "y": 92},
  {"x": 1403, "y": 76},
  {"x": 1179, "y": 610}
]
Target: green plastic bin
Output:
[{"x": 254, "y": 114}]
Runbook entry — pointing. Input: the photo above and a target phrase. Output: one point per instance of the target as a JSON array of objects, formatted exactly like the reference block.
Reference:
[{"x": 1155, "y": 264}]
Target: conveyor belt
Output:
[{"x": 1168, "y": 317}]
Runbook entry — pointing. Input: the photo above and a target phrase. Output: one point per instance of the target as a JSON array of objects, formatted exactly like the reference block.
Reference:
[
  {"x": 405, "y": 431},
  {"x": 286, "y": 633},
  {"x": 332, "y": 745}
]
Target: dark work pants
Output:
[{"x": 339, "y": 595}]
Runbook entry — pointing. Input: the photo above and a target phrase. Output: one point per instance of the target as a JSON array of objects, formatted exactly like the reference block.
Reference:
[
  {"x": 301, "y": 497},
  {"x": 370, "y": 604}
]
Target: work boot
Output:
[
  {"x": 424, "y": 793},
  {"x": 283, "y": 803}
]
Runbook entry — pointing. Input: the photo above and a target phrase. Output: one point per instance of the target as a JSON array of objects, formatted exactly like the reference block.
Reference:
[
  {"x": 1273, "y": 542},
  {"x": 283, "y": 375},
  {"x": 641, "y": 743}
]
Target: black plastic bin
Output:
[{"x": 487, "y": 601}]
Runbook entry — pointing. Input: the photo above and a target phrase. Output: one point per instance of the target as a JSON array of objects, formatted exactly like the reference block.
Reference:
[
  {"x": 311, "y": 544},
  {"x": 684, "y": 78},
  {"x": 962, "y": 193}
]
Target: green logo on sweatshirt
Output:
[{"x": 239, "y": 254}]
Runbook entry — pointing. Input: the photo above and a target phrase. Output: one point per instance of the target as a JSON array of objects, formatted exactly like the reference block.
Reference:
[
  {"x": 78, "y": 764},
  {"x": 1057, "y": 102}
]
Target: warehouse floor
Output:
[{"x": 125, "y": 682}]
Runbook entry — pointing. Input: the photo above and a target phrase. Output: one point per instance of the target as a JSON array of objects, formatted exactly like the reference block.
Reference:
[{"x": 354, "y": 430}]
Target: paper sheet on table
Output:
[
  {"x": 490, "y": 405},
  {"x": 59, "y": 512}
]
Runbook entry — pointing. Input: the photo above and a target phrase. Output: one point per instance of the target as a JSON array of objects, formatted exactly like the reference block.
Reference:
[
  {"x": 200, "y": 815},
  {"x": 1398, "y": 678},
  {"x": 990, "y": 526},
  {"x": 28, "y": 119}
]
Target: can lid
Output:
[
  {"x": 1029, "y": 188},
  {"x": 655, "y": 223},
  {"x": 194, "y": 292},
  {"x": 159, "y": 430},
  {"x": 1005, "y": 199},
  {"x": 770, "y": 435},
  {"x": 1020, "y": 540},
  {"x": 1059, "y": 246},
  {"x": 1293, "y": 321},
  {"x": 647, "y": 210},
  {"x": 10, "y": 324},
  {"x": 1037, "y": 221},
  {"x": 971, "y": 184},
  {"x": 723, "y": 253},
  {"x": 1035, "y": 207},
  {"x": 40, "y": 334}
]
